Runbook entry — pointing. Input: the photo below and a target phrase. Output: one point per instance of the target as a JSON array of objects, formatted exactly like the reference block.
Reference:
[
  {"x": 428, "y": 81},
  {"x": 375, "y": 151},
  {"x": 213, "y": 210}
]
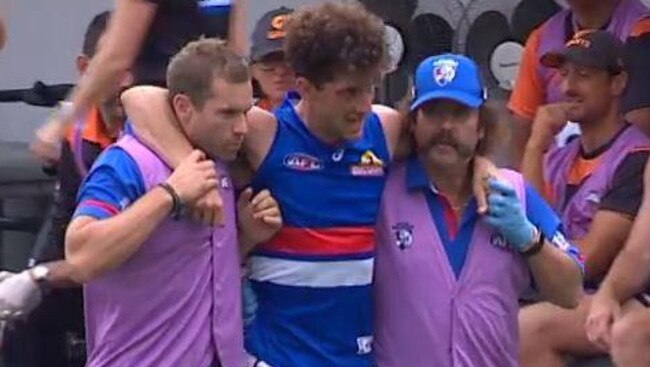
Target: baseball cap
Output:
[
  {"x": 595, "y": 49},
  {"x": 448, "y": 76},
  {"x": 269, "y": 33}
]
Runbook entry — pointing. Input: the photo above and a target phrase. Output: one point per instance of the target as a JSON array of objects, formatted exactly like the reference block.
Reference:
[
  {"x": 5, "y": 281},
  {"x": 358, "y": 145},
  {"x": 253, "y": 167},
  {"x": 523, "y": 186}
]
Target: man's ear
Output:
[
  {"x": 304, "y": 86},
  {"x": 82, "y": 63},
  {"x": 411, "y": 120},
  {"x": 619, "y": 83},
  {"x": 183, "y": 107}
]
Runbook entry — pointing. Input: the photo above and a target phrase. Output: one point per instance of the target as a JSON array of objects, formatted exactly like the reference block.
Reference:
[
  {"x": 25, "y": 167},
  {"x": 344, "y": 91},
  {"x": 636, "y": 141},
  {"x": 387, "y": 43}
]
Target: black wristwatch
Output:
[{"x": 537, "y": 245}]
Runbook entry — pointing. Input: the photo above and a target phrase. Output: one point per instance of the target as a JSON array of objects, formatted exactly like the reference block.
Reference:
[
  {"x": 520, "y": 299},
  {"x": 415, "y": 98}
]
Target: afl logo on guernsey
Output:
[
  {"x": 302, "y": 162},
  {"x": 369, "y": 165}
]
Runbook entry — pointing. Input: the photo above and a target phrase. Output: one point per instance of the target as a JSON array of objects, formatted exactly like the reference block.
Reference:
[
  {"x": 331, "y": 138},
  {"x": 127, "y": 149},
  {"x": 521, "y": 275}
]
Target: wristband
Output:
[
  {"x": 177, "y": 205},
  {"x": 537, "y": 246}
]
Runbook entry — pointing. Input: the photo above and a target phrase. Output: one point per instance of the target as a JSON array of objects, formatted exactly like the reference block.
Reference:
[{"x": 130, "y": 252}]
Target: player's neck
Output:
[
  {"x": 315, "y": 124},
  {"x": 598, "y": 133},
  {"x": 593, "y": 14},
  {"x": 454, "y": 183}
]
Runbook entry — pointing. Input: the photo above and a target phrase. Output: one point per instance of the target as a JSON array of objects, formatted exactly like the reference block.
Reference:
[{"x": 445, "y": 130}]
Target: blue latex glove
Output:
[{"x": 507, "y": 216}]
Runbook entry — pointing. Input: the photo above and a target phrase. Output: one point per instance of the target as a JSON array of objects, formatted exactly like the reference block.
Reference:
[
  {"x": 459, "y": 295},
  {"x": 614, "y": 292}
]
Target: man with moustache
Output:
[
  {"x": 595, "y": 182},
  {"x": 447, "y": 280},
  {"x": 324, "y": 157}
]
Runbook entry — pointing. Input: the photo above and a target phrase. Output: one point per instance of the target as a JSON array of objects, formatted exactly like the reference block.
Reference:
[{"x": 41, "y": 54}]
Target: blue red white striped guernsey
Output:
[{"x": 313, "y": 280}]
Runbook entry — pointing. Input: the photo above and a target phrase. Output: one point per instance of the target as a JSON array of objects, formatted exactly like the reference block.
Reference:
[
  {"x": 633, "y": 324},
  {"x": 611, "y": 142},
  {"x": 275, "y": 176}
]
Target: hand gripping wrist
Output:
[
  {"x": 521, "y": 236},
  {"x": 177, "y": 204}
]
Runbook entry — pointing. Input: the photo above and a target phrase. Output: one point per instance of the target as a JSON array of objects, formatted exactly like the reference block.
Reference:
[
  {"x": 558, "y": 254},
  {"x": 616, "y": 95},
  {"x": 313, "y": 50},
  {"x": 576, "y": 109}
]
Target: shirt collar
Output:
[{"x": 416, "y": 175}]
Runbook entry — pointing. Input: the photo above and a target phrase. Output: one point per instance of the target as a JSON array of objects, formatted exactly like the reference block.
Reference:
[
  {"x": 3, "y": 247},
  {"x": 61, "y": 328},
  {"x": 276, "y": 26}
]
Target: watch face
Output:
[{"x": 395, "y": 44}]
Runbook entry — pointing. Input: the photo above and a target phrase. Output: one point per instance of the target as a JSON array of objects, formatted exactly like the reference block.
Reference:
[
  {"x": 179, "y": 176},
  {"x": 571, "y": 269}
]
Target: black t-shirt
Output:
[
  {"x": 637, "y": 59},
  {"x": 627, "y": 185},
  {"x": 69, "y": 181},
  {"x": 176, "y": 23}
]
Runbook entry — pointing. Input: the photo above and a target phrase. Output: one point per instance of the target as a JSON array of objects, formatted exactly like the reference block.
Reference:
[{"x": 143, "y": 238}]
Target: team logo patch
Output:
[
  {"x": 303, "y": 162},
  {"x": 369, "y": 165},
  {"x": 498, "y": 240},
  {"x": 277, "y": 30},
  {"x": 444, "y": 71},
  {"x": 403, "y": 235}
]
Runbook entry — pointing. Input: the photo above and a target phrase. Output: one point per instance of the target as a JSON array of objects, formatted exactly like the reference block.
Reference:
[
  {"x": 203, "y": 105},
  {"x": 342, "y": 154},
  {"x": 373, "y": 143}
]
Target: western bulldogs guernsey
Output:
[{"x": 313, "y": 280}]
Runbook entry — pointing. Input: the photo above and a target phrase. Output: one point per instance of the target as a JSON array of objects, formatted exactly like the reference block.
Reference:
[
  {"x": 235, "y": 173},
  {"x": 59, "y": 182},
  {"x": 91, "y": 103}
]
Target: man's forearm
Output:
[
  {"x": 96, "y": 246},
  {"x": 127, "y": 29},
  {"x": 60, "y": 275},
  {"x": 246, "y": 245},
  {"x": 557, "y": 276},
  {"x": 521, "y": 130},
  {"x": 101, "y": 78},
  {"x": 238, "y": 28},
  {"x": 629, "y": 274},
  {"x": 532, "y": 168},
  {"x": 152, "y": 118}
]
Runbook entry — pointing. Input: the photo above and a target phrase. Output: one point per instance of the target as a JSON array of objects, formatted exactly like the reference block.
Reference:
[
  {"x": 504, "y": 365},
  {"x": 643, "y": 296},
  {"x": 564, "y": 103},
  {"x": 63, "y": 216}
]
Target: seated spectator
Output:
[
  {"x": 594, "y": 182},
  {"x": 619, "y": 321},
  {"x": 273, "y": 76},
  {"x": 538, "y": 85}
]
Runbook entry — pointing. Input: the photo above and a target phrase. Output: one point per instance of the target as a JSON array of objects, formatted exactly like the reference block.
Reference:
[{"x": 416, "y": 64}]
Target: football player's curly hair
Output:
[{"x": 334, "y": 37}]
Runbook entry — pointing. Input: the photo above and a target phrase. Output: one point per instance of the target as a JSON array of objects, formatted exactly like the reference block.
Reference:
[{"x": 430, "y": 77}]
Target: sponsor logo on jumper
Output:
[{"x": 369, "y": 165}]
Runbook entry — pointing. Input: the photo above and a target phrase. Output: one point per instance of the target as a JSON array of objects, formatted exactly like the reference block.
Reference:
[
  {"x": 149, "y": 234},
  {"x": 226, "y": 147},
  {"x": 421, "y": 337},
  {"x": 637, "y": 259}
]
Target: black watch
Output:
[{"x": 537, "y": 246}]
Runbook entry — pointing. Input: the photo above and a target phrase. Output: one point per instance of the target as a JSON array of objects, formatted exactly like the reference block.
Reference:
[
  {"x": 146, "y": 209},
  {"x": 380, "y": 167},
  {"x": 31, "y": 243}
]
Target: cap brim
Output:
[
  {"x": 260, "y": 54},
  {"x": 467, "y": 99},
  {"x": 555, "y": 59}
]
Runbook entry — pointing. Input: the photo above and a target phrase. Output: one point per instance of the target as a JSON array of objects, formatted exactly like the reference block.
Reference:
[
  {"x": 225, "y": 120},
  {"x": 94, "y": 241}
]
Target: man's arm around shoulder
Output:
[{"x": 95, "y": 245}]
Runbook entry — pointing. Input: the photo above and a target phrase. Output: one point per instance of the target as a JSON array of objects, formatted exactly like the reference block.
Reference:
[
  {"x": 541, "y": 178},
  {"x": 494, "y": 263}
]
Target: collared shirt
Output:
[{"x": 456, "y": 235}]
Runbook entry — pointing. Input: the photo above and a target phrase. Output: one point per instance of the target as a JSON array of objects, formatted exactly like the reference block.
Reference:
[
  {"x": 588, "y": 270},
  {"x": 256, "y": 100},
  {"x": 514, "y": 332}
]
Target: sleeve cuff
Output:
[{"x": 96, "y": 209}]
